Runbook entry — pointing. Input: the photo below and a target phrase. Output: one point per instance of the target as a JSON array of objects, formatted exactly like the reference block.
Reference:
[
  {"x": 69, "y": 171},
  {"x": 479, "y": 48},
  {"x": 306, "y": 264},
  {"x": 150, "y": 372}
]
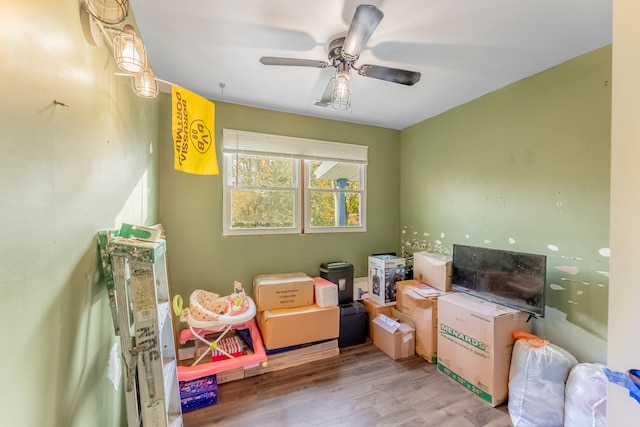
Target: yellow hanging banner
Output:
[{"x": 192, "y": 127}]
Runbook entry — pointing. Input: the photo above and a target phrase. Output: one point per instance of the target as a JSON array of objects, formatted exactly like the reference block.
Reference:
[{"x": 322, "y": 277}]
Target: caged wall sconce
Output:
[
  {"x": 100, "y": 19},
  {"x": 110, "y": 12},
  {"x": 129, "y": 51},
  {"x": 145, "y": 83}
]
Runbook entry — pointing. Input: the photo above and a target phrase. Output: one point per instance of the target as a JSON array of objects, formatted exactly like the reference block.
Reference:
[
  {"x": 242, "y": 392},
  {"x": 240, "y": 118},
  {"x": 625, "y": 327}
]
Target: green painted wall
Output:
[
  {"x": 66, "y": 172},
  {"x": 191, "y": 208},
  {"x": 524, "y": 168}
]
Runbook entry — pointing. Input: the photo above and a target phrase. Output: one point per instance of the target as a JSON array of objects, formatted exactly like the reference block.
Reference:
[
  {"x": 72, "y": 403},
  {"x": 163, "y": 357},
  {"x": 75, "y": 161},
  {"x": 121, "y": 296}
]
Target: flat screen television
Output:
[{"x": 512, "y": 279}]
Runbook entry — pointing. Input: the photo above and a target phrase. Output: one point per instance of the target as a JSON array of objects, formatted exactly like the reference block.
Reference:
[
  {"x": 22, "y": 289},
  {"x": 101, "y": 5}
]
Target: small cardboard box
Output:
[
  {"x": 284, "y": 290},
  {"x": 373, "y": 309},
  {"x": 301, "y": 325},
  {"x": 384, "y": 272},
  {"x": 326, "y": 292},
  {"x": 360, "y": 288},
  {"x": 433, "y": 269},
  {"x": 475, "y": 342},
  {"x": 419, "y": 302},
  {"x": 396, "y": 339}
]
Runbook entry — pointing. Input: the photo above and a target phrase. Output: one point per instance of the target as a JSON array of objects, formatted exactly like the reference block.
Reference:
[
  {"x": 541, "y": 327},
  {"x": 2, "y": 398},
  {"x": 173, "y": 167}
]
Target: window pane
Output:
[
  {"x": 262, "y": 209},
  {"x": 325, "y": 174},
  {"x": 261, "y": 171},
  {"x": 334, "y": 209},
  {"x": 353, "y": 209},
  {"x": 323, "y": 210}
]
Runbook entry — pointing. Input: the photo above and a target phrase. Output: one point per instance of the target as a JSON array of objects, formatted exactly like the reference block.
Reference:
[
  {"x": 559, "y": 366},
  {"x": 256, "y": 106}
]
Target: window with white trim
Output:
[{"x": 276, "y": 184}]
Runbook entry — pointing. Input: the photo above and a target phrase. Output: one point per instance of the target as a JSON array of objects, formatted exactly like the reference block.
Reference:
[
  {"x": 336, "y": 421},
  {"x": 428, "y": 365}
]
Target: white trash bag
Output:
[
  {"x": 585, "y": 402},
  {"x": 537, "y": 380}
]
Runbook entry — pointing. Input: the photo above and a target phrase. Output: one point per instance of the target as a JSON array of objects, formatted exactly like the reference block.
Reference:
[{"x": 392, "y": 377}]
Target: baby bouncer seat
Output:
[{"x": 208, "y": 313}]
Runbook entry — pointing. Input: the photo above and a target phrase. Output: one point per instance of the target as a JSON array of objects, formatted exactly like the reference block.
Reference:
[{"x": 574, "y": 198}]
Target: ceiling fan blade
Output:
[
  {"x": 394, "y": 75},
  {"x": 364, "y": 23},
  {"x": 325, "y": 101},
  {"x": 274, "y": 60}
]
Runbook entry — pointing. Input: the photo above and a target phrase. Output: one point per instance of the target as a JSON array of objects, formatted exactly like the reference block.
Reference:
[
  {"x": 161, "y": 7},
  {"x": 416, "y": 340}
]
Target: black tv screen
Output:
[{"x": 512, "y": 279}]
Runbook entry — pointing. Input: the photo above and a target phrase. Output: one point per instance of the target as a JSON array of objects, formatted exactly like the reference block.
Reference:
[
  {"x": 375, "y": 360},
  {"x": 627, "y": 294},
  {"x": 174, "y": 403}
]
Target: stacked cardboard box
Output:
[
  {"x": 418, "y": 302},
  {"x": 287, "y": 315},
  {"x": 373, "y": 309},
  {"x": 326, "y": 292},
  {"x": 285, "y": 290},
  {"x": 475, "y": 343},
  {"x": 394, "y": 337},
  {"x": 433, "y": 269}
]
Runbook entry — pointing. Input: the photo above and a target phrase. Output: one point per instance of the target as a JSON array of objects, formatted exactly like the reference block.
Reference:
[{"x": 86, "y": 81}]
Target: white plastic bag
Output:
[
  {"x": 586, "y": 396},
  {"x": 537, "y": 379}
]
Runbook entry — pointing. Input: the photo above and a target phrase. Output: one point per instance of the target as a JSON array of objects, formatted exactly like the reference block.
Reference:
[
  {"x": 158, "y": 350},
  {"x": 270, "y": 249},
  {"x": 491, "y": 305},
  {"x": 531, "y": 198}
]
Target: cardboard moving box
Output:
[
  {"x": 396, "y": 339},
  {"x": 419, "y": 302},
  {"x": 373, "y": 309},
  {"x": 284, "y": 290},
  {"x": 293, "y": 326},
  {"x": 475, "y": 342},
  {"x": 433, "y": 269}
]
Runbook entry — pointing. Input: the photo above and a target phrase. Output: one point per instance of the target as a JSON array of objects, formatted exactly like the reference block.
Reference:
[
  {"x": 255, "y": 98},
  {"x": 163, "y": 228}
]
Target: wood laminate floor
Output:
[{"x": 360, "y": 387}]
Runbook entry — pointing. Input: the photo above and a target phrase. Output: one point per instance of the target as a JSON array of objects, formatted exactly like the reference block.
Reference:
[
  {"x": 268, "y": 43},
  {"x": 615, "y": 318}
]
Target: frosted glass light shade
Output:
[
  {"x": 108, "y": 11},
  {"x": 129, "y": 51},
  {"x": 341, "y": 93},
  {"x": 145, "y": 84}
]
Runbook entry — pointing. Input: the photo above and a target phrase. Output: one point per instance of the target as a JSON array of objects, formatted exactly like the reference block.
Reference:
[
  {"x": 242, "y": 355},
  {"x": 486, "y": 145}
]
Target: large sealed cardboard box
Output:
[
  {"x": 373, "y": 309},
  {"x": 419, "y": 302},
  {"x": 301, "y": 325},
  {"x": 396, "y": 339},
  {"x": 283, "y": 290},
  {"x": 475, "y": 342},
  {"x": 384, "y": 272},
  {"x": 433, "y": 269}
]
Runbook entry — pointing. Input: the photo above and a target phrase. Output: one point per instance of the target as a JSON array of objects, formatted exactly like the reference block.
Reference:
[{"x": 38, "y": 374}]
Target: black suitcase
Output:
[{"x": 354, "y": 324}]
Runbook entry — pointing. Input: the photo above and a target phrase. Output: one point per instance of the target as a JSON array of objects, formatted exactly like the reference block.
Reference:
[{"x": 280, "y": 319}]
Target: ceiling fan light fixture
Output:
[
  {"x": 129, "y": 51},
  {"x": 341, "y": 92},
  {"x": 145, "y": 83},
  {"x": 108, "y": 11}
]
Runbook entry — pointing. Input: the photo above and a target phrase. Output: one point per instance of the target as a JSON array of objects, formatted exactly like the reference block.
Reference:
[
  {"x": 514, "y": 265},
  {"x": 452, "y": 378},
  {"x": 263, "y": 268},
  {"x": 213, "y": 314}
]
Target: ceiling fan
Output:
[{"x": 343, "y": 54}]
